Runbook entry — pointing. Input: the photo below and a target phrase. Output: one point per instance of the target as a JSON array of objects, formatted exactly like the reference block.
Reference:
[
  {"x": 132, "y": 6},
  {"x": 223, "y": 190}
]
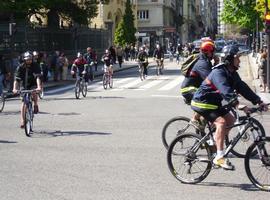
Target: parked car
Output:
[{"x": 219, "y": 44}]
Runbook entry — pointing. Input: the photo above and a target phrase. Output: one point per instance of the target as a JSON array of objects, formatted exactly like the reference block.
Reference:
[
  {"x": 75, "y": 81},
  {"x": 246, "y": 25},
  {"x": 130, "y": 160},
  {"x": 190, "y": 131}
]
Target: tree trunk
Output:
[{"x": 53, "y": 19}]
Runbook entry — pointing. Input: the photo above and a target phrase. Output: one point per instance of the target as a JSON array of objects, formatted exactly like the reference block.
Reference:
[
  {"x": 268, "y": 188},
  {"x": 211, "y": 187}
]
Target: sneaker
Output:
[
  {"x": 36, "y": 109},
  {"x": 224, "y": 163},
  {"x": 197, "y": 125}
]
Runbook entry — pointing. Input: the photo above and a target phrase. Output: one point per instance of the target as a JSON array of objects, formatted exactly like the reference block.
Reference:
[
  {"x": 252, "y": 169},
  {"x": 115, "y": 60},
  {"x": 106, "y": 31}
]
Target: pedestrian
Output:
[
  {"x": 119, "y": 53},
  {"x": 3, "y": 74},
  {"x": 65, "y": 65},
  {"x": 60, "y": 64},
  {"x": 262, "y": 71}
]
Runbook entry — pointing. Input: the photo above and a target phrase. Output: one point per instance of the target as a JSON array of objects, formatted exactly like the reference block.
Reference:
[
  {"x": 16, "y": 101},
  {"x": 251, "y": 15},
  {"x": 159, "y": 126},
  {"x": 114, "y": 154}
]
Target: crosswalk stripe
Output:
[
  {"x": 172, "y": 84},
  {"x": 131, "y": 84},
  {"x": 151, "y": 84}
]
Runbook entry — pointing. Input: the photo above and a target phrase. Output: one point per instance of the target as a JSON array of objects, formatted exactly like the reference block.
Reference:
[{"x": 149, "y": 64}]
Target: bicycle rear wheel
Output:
[
  {"x": 28, "y": 121},
  {"x": 247, "y": 139},
  {"x": 258, "y": 166},
  {"x": 77, "y": 89},
  {"x": 110, "y": 81},
  {"x": 173, "y": 128},
  {"x": 2, "y": 102},
  {"x": 105, "y": 81},
  {"x": 188, "y": 160},
  {"x": 84, "y": 88}
]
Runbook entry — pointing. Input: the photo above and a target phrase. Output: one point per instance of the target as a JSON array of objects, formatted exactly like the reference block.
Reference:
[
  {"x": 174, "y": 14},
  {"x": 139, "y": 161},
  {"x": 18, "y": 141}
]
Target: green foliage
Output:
[
  {"x": 69, "y": 9},
  {"x": 125, "y": 31},
  {"x": 241, "y": 13}
]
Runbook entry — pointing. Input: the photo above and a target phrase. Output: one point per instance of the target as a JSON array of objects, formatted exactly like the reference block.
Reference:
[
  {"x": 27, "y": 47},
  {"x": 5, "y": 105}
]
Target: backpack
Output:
[{"x": 188, "y": 64}]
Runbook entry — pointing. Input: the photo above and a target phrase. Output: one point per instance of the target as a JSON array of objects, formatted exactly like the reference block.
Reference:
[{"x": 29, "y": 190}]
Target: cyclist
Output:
[
  {"x": 79, "y": 66},
  {"x": 108, "y": 61},
  {"x": 219, "y": 85},
  {"x": 159, "y": 56},
  {"x": 197, "y": 74},
  {"x": 29, "y": 73},
  {"x": 90, "y": 61},
  {"x": 142, "y": 58}
]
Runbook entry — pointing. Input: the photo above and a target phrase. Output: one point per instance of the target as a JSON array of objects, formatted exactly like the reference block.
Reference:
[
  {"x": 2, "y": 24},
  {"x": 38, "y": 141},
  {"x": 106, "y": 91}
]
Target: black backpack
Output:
[{"x": 188, "y": 64}]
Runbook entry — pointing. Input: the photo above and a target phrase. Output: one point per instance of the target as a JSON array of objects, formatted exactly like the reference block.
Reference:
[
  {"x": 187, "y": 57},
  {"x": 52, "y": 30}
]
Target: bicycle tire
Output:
[
  {"x": 110, "y": 81},
  {"x": 180, "y": 123},
  {"x": 41, "y": 93},
  {"x": 104, "y": 81},
  {"x": 2, "y": 102},
  {"x": 242, "y": 145},
  {"x": 28, "y": 122},
  {"x": 251, "y": 160},
  {"x": 84, "y": 88},
  {"x": 197, "y": 163},
  {"x": 77, "y": 89}
]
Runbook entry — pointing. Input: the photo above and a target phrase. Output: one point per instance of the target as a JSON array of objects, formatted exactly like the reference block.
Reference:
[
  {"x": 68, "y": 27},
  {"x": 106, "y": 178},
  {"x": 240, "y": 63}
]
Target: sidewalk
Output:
[{"x": 256, "y": 82}]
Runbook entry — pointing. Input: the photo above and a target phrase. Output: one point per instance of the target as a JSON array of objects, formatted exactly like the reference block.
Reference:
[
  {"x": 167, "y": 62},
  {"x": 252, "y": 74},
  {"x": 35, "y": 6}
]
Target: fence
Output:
[{"x": 45, "y": 39}]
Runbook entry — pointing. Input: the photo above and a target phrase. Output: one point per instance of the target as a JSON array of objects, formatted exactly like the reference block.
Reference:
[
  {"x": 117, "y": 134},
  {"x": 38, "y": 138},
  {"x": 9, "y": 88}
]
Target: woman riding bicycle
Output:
[
  {"x": 220, "y": 84},
  {"x": 29, "y": 73},
  {"x": 108, "y": 62}
]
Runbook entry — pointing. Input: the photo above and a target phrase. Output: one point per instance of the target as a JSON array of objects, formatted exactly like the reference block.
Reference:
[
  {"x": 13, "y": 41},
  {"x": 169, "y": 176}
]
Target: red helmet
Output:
[{"x": 207, "y": 46}]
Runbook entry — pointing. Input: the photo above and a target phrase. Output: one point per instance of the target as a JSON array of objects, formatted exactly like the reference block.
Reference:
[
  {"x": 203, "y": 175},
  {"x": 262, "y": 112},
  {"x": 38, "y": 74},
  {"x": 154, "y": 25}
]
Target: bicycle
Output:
[
  {"x": 180, "y": 124},
  {"x": 141, "y": 70},
  {"x": 107, "y": 78},
  {"x": 80, "y": 86},
  {"x": 29, "y": 113},
  {"x": 160, "y": 66},
  {"x": 194, "y": 155},
  {"x": 2, "y": 101}
]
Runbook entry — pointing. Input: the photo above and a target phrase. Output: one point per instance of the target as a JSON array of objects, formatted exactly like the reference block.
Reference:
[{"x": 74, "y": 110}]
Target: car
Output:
[{"x": 219, "y": 44}]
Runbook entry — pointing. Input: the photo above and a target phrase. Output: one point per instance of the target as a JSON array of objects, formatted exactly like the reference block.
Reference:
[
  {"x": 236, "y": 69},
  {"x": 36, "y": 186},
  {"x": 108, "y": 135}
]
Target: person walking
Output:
[
  {"x": 262, "y": 71},
  {"x": 119, "y": 53}
]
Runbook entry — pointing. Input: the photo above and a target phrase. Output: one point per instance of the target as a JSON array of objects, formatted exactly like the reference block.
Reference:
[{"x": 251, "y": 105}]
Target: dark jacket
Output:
[
  {"x": 198, "y": 73},
  {"x": 221, "y": 84}
]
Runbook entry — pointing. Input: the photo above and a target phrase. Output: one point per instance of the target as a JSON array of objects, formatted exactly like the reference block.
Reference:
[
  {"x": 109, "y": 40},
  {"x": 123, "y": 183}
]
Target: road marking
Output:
[
  {"x": 59, "y": 89},
  {"x": 172, "y": 84},
  {"x": 165, "y": 96},
  {"x": 151, "y": 84},
  {"x": 131, "y": 84}
]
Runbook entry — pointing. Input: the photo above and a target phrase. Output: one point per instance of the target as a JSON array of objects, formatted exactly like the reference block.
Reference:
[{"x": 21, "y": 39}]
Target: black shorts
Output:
[
  {"x": 188, "y": 97},
  {"x": 212, "y": 115}
]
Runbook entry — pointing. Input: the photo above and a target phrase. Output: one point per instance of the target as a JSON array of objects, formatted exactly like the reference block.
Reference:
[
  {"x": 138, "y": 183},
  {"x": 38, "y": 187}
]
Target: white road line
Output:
[
  {"x": 131, "y": 84},
  {"x": 172, "y": 84},
  {"x": 59, "y": 89},
  {"x": 165, "y": 96},
  {"x": 151, "y": 84}
]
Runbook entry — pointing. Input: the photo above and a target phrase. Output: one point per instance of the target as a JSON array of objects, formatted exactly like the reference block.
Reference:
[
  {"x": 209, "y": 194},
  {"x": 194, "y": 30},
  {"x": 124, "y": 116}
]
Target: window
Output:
[{"x": 143, "y": 14}]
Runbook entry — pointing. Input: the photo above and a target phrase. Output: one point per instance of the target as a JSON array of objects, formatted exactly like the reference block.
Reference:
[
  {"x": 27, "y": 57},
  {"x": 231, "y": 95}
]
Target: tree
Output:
[
  {"x": 77, "y": 11},
  {"x": 242, "y": 13},
  {"x": 125, "y": 31}
]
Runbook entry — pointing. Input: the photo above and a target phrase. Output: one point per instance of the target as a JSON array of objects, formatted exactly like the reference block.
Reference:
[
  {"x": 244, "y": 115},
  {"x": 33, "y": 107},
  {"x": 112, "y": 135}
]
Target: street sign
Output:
[{"x": 138, "y": 34}]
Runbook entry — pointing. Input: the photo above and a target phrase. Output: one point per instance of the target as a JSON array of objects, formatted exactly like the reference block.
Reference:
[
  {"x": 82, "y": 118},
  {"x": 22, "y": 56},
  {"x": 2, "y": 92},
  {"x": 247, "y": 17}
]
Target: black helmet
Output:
[{"x": 229, "y": 52}]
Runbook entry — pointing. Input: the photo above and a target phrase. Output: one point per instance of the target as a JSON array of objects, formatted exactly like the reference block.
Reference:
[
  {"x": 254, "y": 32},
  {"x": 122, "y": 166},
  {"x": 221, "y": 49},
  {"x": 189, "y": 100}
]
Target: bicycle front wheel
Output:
[
  {"x": 77, "y": 89},
  {"x": 105, "y": 81},
  {"x": 2, "y": 102},
  {"x": 111, "y": 81},
  {"x": 258, "y": 166},
  {"x": 28, "y": 121},
  {"x": 173, "y": 128},
  {"x": 84, "y": 88},
  {"x": 189, "y": 160},
  {"x": 247, "y": 139}
]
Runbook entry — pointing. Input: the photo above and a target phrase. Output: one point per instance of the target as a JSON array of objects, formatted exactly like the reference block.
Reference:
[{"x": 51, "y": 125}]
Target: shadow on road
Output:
[
  {"x": 245, "y": 187},
  {"x": 57, "y": 133},
  {"x": 7, "y": 142}
]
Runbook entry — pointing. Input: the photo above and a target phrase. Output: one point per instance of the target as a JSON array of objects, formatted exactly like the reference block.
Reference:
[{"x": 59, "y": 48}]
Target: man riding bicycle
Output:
[
  {"x": 159, "y": 56},
  {"x": 90, "y": 61},
  {"x": 196, "y": 75},
  {"x": 108, "y": 62},
  {"x": 80, "y": 67},
  {"x": 219, "y": 85},
  {"x": 28, "y": 73},
  {"x": 142, "y": 58}
]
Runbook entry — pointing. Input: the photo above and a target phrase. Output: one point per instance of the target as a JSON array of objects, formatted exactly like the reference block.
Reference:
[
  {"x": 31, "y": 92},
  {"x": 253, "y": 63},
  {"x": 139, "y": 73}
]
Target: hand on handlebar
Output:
[
  {"x": 263, "y": 106},
  {"x": 15, "y": 91}
]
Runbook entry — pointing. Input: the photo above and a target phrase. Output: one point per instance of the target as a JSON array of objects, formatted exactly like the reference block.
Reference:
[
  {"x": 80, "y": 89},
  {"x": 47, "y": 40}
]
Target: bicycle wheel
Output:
[
  {"x": 173, "y": 128},
  {"x": 188, "y": 160},
  {"x": 2, "y": 102},
  {"x": 28, "y": 123},
  {"x": 84, "y": 88},
  {"x": 258, "y": 166},
  {"x": 110, "y": 81},
  {"x": 247, "y": 139},
  {"x": 77, "y": 89},
  {"x": 104, "y": 81}
]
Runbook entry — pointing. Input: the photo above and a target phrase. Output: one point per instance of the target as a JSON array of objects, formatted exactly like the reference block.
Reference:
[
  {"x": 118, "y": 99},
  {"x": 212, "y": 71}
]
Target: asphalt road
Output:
[{"x": 106, "y": 146}]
